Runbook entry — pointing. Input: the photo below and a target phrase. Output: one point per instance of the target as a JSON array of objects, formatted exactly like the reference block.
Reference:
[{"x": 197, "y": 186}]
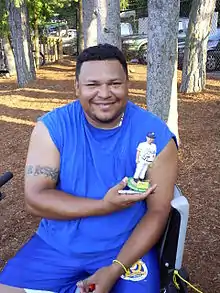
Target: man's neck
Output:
[{"x": 114, "y": 124}]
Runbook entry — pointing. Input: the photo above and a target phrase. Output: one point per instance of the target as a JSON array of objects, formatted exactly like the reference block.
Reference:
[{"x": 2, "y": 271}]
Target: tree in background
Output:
[
  {"x": 4, "y": 34},
  {"x": 109, "y": 22},
  {"x": 41, "y": 11},
  {"x": 89, "y": 23},
  {"x": 18, "y": 20},
  {"x": 80, "y": 27},
  {"x": 101, "y": 22},
  {"x": 195, "y": 52},
  {"x": 163, "y": 18}
]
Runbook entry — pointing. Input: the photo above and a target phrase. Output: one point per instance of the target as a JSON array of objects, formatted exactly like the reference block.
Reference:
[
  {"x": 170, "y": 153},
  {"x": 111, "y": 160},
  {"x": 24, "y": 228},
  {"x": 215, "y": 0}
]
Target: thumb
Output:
[
  {"x": 122, "y": 184},
  {"x": 88, "y": 285}
]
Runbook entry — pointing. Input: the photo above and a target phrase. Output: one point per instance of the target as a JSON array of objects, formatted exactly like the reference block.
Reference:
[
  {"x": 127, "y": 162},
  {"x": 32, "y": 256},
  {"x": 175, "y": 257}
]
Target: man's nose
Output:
[{"x": 104, "y": 91}]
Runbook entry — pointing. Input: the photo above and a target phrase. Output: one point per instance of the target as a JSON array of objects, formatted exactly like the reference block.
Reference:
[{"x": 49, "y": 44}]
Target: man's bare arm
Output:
[
  {"x": 41, "y": 175},
  {"x": 149, "y": 230}
]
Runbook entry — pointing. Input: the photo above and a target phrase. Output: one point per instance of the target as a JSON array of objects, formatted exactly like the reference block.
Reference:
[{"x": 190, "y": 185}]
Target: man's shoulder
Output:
[
  {"x": 67, "y": 108},
  {"x": 63, "y": 112},
  {"x": 142, "y": 114}
]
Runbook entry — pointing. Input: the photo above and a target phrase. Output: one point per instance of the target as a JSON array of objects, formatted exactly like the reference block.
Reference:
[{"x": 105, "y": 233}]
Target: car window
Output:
[
  {"x": 215, "y": 37},
  {"x": 126, "y": 29}
]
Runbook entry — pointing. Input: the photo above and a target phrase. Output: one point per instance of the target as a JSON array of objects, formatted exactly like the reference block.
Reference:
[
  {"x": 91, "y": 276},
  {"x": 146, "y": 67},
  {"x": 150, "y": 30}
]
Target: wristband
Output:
[{"x": 121, "y": 264}]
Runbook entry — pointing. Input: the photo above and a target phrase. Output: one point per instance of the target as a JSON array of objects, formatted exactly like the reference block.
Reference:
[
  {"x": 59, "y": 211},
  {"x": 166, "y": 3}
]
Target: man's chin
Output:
[{"x": 105, "y": 119}]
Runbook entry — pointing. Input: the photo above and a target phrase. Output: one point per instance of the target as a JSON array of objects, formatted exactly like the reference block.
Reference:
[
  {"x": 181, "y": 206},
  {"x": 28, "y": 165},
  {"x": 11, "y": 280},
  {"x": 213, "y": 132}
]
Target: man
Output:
[
  {"x": 146, "y": 153},
  {"x": 78, "y": 159}
]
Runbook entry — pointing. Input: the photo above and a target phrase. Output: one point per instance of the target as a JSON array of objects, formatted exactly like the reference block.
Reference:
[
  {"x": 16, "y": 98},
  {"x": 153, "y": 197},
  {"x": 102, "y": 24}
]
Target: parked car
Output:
[
  {"x": 135, "y": 46},
  {"x": 213, "y": 52}
]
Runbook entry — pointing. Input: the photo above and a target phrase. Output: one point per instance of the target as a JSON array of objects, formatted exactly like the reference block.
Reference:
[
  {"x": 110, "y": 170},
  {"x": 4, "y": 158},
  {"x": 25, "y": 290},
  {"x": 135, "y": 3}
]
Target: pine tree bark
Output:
[
  {"x": 195, "y": 51},
  {"x": 101, "y": 22},
  {"x": 81, "y": 39},
  {"x": 36, "y": 43},
  {"x": 10, "y": 61},
  {"x": 89, "y": 23},
  {"x": 163, "y": 18},
  {"x": 108, "y": 22},
  {"x": 21, "y": 41}
]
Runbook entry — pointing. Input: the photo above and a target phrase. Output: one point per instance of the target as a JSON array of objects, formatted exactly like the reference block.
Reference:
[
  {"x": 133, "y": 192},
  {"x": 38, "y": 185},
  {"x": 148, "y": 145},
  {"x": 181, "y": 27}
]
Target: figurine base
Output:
[{"x": 140, "y": 186}]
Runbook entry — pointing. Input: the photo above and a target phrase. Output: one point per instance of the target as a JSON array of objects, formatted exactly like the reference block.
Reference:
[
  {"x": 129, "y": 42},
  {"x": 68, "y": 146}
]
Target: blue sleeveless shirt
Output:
[{"x": 92, "y": 161}]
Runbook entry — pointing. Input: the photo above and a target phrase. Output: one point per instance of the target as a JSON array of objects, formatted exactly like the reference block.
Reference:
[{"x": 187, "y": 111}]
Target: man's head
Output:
[
  {"x": 150, "y": 137},
  {"x": 102, "y": 84}
]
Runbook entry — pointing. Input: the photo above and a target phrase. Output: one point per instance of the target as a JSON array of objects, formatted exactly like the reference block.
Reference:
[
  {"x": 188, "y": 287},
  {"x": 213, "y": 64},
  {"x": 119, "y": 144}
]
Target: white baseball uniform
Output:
[{"x": 146, "y": 157}]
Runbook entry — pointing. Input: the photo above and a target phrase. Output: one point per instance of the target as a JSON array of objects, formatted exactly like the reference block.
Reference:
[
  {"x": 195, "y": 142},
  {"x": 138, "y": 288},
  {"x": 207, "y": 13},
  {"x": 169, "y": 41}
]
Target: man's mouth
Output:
[{"x": 104, "y": 106}]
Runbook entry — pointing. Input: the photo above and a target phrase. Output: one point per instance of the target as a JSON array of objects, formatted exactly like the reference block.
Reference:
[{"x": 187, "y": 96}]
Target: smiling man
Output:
[{"x": 78, "y": 159}]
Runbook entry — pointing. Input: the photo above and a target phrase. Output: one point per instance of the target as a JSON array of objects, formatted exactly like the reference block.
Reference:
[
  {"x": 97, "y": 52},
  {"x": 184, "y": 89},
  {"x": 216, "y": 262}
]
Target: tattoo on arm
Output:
[{"x": 45, "y": 171}]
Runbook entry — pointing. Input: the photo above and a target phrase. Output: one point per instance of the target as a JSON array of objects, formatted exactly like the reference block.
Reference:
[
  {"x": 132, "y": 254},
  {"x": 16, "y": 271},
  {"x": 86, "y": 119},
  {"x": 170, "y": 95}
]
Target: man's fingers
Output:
[
  {"x": 139, "y": 196},
  {"x": 151, "y": 189},
  {"x": 122, "y": 184},
  {"x": 86, "y": 285}
]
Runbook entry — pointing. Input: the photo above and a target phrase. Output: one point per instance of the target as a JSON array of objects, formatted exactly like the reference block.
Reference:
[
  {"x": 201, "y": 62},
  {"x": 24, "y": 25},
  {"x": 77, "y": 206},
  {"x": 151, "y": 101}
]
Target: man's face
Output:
[{"x": 102, "y": 89}]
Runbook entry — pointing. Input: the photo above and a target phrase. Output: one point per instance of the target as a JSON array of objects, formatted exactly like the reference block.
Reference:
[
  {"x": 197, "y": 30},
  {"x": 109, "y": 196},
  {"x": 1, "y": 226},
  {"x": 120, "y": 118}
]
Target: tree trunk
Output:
[
  {"x": 108, "y": 26},
  {"x": 80, "y": 23},
  {"x": 89, "y": 23},
  {"x": 21, "y": 41},
  {"x": 10, "y": 61},
  {"x": 101, "y": 22},
  {"x": 163, "y": 18},
  {"x": 195, "y": 52},
  {"x": 36, "y": 42}
]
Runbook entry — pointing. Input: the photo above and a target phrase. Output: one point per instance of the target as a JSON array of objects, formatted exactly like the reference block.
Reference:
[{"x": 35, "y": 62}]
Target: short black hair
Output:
[{"x": 101, "y": 52}]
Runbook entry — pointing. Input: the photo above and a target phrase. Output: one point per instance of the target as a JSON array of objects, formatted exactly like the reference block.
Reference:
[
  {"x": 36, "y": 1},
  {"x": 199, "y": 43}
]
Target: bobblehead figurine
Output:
[{"x": 146, "y": 153}]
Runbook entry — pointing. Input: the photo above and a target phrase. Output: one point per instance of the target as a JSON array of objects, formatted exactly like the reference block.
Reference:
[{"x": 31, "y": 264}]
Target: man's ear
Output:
[{"x": 77, "y": 87}]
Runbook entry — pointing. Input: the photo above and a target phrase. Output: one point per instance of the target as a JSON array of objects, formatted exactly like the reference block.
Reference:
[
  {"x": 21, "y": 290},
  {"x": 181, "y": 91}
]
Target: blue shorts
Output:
[{"x": 38, "y": 266}]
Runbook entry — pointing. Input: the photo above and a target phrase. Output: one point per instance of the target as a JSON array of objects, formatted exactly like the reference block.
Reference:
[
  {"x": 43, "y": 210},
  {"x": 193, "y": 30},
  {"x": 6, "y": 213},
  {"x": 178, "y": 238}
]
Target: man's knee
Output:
[{"x": 8, "y": 289}]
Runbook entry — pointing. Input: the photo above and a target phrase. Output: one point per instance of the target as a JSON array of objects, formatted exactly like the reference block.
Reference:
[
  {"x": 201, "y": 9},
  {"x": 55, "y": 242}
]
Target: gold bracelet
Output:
[{"x": 121, "y": 264}]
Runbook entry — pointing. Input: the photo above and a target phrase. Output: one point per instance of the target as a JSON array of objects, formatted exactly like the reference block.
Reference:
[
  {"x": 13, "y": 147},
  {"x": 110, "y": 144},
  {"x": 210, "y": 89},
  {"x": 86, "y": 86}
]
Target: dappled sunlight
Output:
[
  {"x": 22, "y": 102},
  {"x": 137, "y": 91},
  {"x": 16, "y": 120},
  {"x": 206, "y": 96},
  {"x": 137, "y": 95},
  {"x": 37, "y": 90},
  {"x": 142, "y": 105}
]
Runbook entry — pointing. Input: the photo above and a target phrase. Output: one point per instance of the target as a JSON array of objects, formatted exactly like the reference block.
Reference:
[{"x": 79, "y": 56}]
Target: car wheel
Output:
[
  {"x": 211, "y": 62},
  {"x": 143, "y": 54}
]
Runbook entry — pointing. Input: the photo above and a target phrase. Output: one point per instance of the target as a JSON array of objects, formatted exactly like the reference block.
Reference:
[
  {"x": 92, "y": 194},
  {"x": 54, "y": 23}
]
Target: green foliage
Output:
[
  {"x": 3, "y": 19},
  {"x": 43, "y": 11},
  {"x": 69, "y": 13},
  {"x": 40, "y": 11},
  {"x": 136, "y": 4},
  {"x": 124, "y": 4}
]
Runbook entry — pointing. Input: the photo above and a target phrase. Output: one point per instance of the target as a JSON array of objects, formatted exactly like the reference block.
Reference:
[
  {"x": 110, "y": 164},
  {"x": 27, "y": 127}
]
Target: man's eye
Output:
[
  {"x": 91, "y": 84},
  {"x": 116, "y": 83}
]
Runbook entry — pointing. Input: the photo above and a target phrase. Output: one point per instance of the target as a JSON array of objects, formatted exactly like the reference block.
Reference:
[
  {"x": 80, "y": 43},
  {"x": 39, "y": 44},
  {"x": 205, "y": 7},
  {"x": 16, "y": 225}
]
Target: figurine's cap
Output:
[{"x": 151, "y": 135}]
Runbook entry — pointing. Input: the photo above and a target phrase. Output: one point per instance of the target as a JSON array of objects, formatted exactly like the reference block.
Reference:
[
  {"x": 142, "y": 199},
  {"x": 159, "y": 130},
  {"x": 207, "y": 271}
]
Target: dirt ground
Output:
[{"x": 199, "y": 156}]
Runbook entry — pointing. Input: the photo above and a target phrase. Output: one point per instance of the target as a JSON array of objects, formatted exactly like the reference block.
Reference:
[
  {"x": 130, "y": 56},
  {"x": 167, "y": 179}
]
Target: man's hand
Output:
[
  {"x": 103, "y": 280},
  {"x": 114, "y": 201}
]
